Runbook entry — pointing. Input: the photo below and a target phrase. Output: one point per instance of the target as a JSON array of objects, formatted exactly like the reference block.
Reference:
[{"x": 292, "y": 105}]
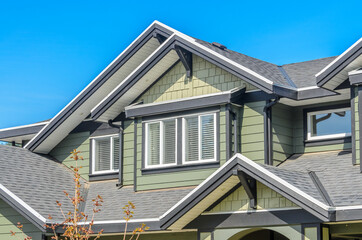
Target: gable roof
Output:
[
  {"x": 79, "y": 108},
  {"x": 152, "y": 54}
]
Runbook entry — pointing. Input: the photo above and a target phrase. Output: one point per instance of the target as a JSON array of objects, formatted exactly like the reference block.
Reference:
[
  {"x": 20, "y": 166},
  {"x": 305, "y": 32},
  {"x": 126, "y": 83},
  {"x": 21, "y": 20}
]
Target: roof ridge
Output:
[{"x": 317, "y": 59}]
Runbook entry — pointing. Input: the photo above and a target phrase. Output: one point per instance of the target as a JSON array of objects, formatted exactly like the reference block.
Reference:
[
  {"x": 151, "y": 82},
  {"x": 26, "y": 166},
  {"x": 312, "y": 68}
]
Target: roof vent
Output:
[{"x": 222, "y": 47}]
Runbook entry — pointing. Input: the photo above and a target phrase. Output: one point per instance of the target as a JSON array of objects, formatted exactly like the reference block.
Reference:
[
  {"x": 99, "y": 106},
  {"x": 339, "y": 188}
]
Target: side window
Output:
[
  {"x": 329, "y": 124},
  {"x": 105, "y": 154},
  {"x": 161, "y": 143}
]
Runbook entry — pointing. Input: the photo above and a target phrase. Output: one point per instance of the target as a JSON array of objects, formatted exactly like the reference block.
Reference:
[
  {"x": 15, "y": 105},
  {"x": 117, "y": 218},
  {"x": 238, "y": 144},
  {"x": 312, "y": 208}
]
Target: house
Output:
[{"x": 207, "y": 143}]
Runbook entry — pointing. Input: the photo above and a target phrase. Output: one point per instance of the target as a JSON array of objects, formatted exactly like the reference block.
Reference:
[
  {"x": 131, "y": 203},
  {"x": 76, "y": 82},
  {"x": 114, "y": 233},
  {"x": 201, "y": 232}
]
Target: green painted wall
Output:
[
  {"x": 282, "y": 125},
  {"x": 266, "y": 199},
  {"x": 356, "y": 120},
  {"x": 298, "y": 134},
  {"x": 79, "y": 141},
  {"x": 8, "y": 221},
  {"x": 128, "y": 152},
  {"x": 252, "y": 131},
  {"x": 207, "y": 78}
]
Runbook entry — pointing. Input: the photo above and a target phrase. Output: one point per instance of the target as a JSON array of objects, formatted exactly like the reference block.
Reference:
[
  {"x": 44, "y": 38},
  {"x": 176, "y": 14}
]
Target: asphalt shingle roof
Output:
[
  {"x": 339, "y": 177},
  {"x": 40, "y": 180},
  {"x": 302, "y": 74}
]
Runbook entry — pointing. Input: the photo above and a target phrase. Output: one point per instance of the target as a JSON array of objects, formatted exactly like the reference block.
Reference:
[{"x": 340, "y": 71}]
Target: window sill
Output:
[
  {"x": 178, "y": 168},
  {"x": 103, "y": 176},
  {"x": 323, "y": 142}
]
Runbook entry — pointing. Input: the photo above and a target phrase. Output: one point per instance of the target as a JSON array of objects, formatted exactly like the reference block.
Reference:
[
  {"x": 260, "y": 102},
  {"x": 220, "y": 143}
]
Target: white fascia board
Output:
[
  {"x": 339, "y": 57},
  {"x": 24, "y": 126},
  {"x": 16, "y": 199},
  {"x": 94, "y": 80}
]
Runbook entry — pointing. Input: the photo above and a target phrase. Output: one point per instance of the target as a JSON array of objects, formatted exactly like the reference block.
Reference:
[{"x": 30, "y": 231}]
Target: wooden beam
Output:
[
  {"x": 186, "y": 59},
  {"x": 249, "y": 186}
]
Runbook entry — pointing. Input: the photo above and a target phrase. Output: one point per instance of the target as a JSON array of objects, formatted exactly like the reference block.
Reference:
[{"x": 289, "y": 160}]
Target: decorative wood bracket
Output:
[
  {"x": 159, "y": 37},
  {"x": 249, "y": 186},
  {"x": 186, "y": 59}
]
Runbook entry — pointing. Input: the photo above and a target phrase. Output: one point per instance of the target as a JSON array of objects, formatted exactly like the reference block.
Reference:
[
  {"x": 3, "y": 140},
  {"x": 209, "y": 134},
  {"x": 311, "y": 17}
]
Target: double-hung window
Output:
[
  {"x": 199, "y": 138},
  {"x": 105, "y": 154},
  {"x": 161, "y": 143},
  {"x": 329, "y": 124}
]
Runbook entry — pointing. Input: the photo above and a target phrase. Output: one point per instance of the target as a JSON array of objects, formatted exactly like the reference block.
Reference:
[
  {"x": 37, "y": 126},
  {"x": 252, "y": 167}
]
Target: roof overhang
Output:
[
  {"x": 336, "y": 72},
  {"x": 184, "y": 104},
  {"x": 79, "y": 108},
  {"x": 222, "y": 180},
  {"x": 21, "y": 133}
]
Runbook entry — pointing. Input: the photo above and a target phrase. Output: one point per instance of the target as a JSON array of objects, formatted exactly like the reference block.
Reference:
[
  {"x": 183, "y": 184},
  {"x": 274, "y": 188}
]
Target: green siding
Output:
[
  {"x": 207, "y": 78},
  {"x": 252, "y": 131},
  {"x": 282, "y": 125},
  {"x": 8, "y": 221},
  {"x": 298, "y": 133},
  {"x": 79, "y": 141},
  {"x": 356, "y": 120},
  {"x": 128, "y": 152}
]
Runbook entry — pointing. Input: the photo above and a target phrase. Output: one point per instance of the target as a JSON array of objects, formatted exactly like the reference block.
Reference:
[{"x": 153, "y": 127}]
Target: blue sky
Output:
[{"x": 49, "y": 51}]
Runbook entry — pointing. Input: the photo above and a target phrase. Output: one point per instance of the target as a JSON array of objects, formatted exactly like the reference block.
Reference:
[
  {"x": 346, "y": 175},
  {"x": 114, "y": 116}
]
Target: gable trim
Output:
[
  {"x": 339, "y": 63},
  {"x": 240, "y": 162},
  {"x": 23, "y": 208},
  {"x": 96, "y": 84}
]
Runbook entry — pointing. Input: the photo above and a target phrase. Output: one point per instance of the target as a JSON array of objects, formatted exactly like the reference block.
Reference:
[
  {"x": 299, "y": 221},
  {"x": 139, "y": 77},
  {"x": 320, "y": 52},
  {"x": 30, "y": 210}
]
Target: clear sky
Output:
[{"x": 50, "y": 50}]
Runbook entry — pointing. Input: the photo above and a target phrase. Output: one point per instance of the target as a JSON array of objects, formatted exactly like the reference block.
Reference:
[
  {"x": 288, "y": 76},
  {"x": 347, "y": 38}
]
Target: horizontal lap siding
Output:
[
  {"x": 356, "y": 117},
  {"x": 298, "y": 133},
  {"x": 8, "y": 221},
  {"x": 128, "y": 152},
  {"x": 282, "y": 125},
  {"x": 79, "y": 141},
  {"x": 252, "y": 131}
]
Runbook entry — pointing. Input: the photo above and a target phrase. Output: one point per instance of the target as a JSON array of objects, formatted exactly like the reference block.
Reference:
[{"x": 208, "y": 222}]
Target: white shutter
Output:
[
  {"x": 207, "y": 137},
  {"x": 191, "y": 139},
  {"x": 115, "y": 153},
  {"x": 102, "y": 154},
  {"x": 153, "y": 140},
  {"x": 169, "y": 148}
]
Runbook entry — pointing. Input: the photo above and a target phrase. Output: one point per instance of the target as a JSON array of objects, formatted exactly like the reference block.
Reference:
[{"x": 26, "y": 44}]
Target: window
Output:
[
  {"x": 199, "y": 138},
  {"x": 161, "y": 143},
  {"x": 105, "y": 154},
  {"x": 328, "y": 124},
  {"x": 180, "y": 141}
]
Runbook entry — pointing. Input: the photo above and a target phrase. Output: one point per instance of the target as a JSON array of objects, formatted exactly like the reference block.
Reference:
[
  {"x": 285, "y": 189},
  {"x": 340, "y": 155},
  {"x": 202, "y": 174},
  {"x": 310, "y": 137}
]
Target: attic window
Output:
[{"x": 329, "y": 124}]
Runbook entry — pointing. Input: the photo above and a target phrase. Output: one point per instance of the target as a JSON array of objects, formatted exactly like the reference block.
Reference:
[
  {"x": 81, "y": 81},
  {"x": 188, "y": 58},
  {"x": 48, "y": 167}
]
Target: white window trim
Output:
[
  {"x": 94, "y": 139},
  {"x": 184, "y": 162},
  {"x": 329, "y": 136},
  {"x": 161, "y": 122}
]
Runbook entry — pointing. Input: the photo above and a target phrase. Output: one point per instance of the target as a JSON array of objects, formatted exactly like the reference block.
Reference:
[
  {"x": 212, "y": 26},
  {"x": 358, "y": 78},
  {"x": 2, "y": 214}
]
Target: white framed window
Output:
[
  {"x": 329, "y": 124},
  {"x": 105, "y": 154},
  {"x": 160, "y": 143},
  {"x": 199, "y": 138}
]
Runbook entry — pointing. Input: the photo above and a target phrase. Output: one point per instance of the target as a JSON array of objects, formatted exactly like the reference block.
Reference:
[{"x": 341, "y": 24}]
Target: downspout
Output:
[
  {"x": 120, "y": 173},
  {"x": 268, "y": 131}
]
